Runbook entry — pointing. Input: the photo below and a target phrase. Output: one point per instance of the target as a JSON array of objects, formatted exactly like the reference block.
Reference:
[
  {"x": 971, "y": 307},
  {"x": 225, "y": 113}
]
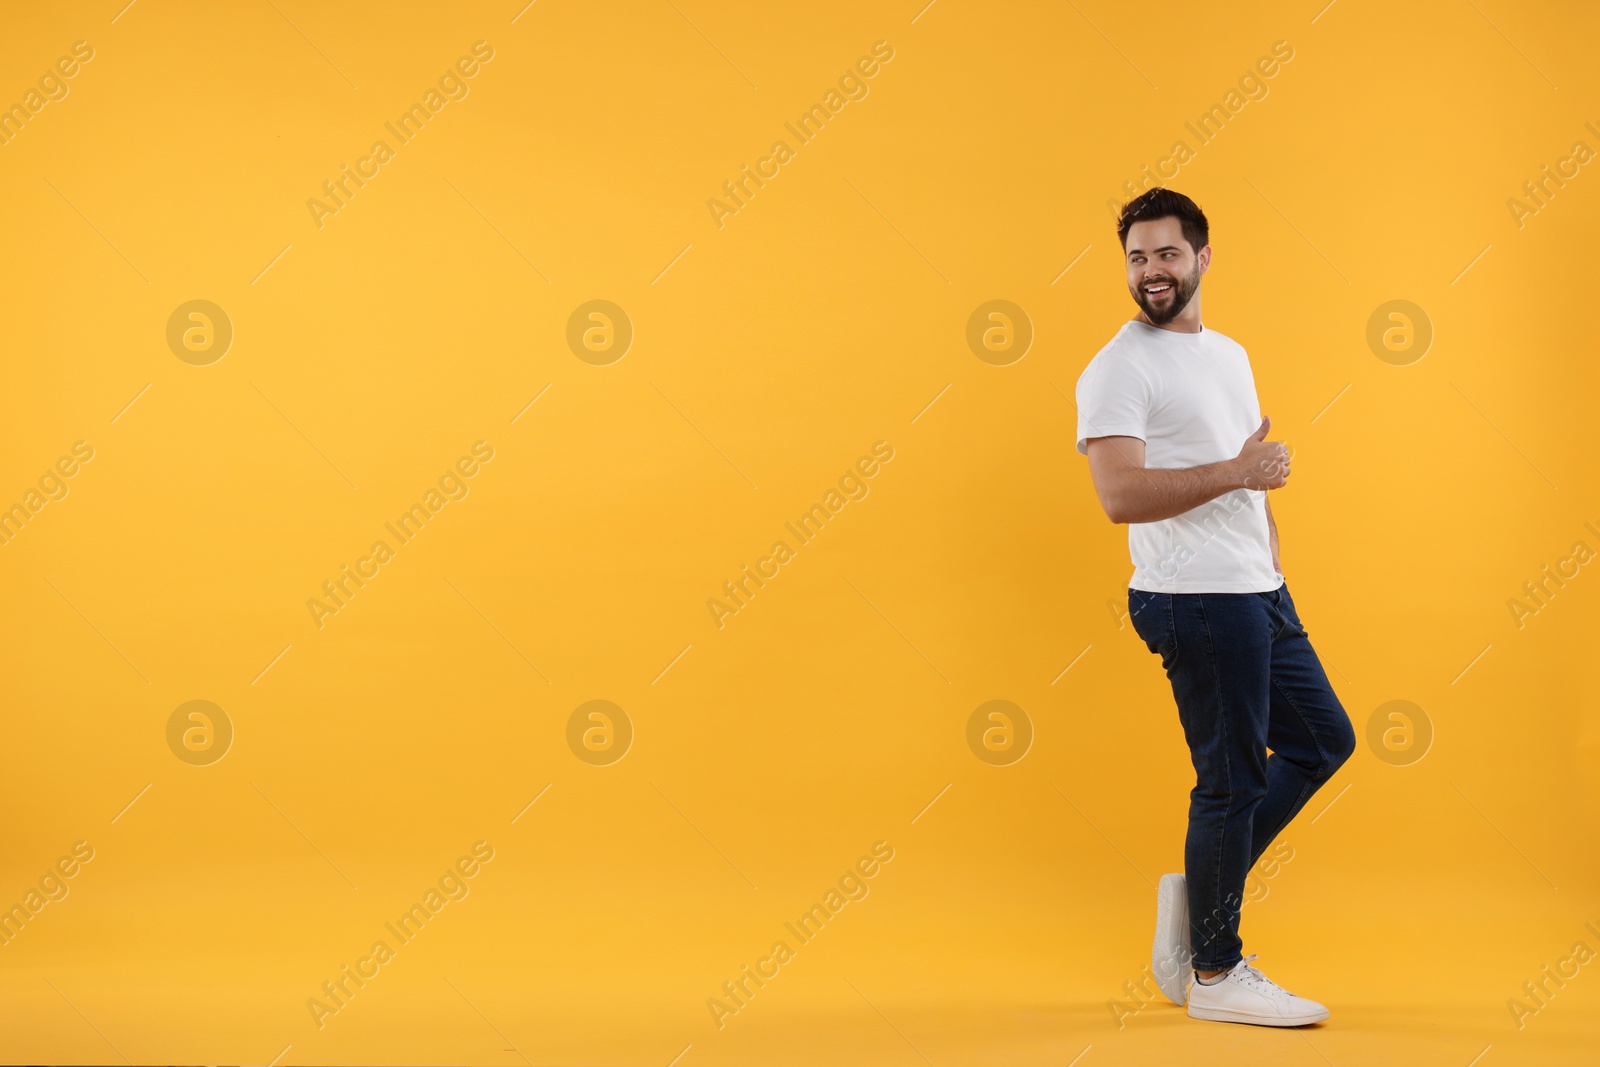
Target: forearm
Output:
[{"x": 1150, "y": 494}]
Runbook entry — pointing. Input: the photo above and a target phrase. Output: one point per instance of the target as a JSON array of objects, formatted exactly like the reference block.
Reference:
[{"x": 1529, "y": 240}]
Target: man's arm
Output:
[{"x": 1131, "y": 492}]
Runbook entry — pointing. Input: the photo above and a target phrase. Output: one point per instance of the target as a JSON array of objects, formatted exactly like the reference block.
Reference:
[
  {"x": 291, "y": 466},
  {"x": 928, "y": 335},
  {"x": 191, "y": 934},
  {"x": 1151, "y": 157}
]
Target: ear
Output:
[{"x": 1204, "y": 259}]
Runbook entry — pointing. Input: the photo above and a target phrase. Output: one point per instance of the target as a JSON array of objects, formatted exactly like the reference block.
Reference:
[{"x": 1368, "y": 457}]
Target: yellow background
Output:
[{"x": 768, "y": 356}]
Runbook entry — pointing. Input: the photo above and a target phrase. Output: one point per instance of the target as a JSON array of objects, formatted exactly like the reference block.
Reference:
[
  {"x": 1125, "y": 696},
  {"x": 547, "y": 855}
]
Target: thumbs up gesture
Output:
[{"x": 1263, "y": 464}]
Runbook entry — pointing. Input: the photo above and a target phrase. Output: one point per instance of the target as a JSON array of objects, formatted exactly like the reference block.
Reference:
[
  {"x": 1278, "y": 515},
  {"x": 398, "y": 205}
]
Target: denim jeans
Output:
[{"x": 1245, "y": 679}]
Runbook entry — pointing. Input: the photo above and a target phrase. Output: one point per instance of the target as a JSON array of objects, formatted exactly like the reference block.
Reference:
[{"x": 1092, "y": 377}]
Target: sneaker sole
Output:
[
  {"x": 1221, "y": 1015},
  {"x": 1172, "y": 921}
]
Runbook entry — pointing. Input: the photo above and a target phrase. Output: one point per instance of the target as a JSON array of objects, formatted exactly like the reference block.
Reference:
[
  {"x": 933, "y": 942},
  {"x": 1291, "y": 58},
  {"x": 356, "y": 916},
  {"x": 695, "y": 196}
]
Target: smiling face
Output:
[{"x": 1163, "y": 271}]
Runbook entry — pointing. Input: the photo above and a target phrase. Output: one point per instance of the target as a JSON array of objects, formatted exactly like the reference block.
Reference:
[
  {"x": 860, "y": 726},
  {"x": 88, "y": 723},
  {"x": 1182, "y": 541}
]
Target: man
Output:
[{"x": 1168, "y": 416}]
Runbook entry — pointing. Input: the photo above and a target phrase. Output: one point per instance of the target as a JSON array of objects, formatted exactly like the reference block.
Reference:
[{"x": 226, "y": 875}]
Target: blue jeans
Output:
[{"x": 1245, "y": 679}]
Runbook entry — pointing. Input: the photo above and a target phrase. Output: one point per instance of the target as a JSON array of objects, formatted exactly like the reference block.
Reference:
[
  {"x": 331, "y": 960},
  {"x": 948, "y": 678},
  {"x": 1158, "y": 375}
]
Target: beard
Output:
[{"x": 1183, "y": 290}]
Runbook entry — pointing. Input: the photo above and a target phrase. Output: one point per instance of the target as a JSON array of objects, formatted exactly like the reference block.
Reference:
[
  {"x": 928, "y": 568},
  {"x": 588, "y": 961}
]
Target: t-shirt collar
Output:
[{"x": 1145, "y": 328}]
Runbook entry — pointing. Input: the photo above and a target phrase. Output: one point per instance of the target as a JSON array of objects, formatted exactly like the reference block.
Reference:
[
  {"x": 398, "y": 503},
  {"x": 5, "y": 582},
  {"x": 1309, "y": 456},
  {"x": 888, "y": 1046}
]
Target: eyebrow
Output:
[{"x": 1163, "y": 248}]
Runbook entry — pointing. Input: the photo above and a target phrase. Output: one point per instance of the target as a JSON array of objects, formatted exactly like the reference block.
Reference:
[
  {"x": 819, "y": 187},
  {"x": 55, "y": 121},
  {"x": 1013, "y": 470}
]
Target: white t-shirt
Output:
[{"x": 1190, "y": 397}]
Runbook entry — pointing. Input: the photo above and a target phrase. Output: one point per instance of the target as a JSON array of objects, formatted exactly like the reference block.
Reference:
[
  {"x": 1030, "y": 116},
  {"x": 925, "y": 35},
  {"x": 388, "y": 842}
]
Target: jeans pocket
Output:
[
  {"x": 1283, "y": 607},
  {"x": 1292, "y": 615},
  {"x": 1139, "y": 611},
  {"x": 1151, "y": 618}
]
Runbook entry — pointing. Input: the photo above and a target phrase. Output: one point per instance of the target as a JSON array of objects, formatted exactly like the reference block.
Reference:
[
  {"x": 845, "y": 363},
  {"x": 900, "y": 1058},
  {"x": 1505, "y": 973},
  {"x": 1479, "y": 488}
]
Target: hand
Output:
[{"x": 1263, "y": 464}]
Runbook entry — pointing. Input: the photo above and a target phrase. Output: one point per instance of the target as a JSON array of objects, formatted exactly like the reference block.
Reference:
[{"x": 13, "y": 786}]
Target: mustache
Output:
[{"x": 1178, "y": 284}]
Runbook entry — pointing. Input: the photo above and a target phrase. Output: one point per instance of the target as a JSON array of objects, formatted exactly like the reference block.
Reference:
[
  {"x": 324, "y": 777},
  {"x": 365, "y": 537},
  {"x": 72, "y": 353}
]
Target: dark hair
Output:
[{"x": 1161, "y": 203}]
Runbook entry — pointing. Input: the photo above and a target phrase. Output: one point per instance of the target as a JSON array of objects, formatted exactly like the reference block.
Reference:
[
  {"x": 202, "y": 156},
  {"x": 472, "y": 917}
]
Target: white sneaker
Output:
[
  {"x": 1170, "y": 955},
  {"x": 1245, "y": 995}
]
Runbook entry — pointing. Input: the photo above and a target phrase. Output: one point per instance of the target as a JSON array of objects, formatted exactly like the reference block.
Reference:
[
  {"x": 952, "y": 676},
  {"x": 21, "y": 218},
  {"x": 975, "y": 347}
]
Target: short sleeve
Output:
[{"x": 1113, "y": 400}]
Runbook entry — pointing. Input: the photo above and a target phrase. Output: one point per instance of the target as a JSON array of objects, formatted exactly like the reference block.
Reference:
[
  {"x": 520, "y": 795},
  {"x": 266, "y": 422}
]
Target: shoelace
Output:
[{"x": 1254, "y": 979}]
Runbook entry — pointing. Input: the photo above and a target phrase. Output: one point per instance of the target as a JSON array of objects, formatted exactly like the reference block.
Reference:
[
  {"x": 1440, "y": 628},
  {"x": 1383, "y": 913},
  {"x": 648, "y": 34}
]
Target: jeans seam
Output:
[
  {"x": 1322, "y": 754},
  {"x": 1227, "y": 763},
  {"x": 1322, "y": 758},
  {"x": 1305, "y": 794}
]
